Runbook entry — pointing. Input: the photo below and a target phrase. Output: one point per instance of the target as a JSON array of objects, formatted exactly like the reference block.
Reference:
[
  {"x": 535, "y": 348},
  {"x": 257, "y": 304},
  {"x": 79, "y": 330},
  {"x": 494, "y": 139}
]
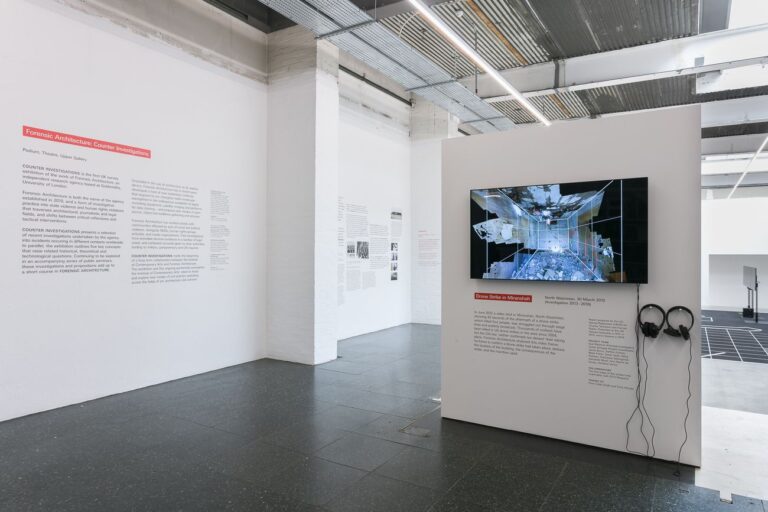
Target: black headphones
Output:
[
  {"x": 650, "y": 329},
  {"x": 681, "y": 331}
]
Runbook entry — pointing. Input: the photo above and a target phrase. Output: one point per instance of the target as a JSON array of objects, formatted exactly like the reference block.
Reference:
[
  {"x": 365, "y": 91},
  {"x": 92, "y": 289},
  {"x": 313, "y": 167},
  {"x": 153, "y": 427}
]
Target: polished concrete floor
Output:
[
  {"x": 734, "y": 427},
  {"x": 734, "y": 452},
  {"x": 362, "y": 433},
  {"x": 734, "y": 385}
]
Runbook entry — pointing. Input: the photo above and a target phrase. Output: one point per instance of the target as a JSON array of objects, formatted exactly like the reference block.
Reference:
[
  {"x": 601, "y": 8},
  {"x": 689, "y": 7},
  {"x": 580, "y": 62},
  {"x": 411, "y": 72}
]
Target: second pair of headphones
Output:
[{"x": 652, "y": 330}]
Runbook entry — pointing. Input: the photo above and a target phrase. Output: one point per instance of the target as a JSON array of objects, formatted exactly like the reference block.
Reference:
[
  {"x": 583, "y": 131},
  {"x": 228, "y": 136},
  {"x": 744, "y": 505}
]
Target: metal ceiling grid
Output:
[
  {"x": 466, "y": 23},
  {"x": 387, "y": 43},
  {"x": 580, "y": 27},
  {"x": 515, "y": 21},
  {"x": 650, "y": 94},
  {"x": 465, "y": 97},
  {"x": 416, "y": 32},
  {"x": 514, "y": 111},
  {"x": 543, "y": 30},
  {"x": 303, "y": 14},
  {"x": 454, "y": 107},
  {"x": 471, "y": 28},
  {"x": 378, "y": 47},
  {"x": 559, "y": 106}
]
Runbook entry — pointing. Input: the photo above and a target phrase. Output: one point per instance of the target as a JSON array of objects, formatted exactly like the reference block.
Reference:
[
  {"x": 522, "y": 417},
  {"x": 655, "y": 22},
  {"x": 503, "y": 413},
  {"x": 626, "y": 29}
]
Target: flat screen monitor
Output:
[{"x": 587, "y": 231}]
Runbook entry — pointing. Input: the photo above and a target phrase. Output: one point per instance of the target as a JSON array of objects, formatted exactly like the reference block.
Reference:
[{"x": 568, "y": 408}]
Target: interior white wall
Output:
[
  {"x": 68, "y": 338},
  {"x": 195, "y": 27},
  {"x": 553, "y": 394},
  {"x": 427, "y": 231},
  {"x": 375, "y": 172},
  {"x": 731, "y": 227},
  {"x": 430, "y": 126},
  {"x": 726, "y": 286}
]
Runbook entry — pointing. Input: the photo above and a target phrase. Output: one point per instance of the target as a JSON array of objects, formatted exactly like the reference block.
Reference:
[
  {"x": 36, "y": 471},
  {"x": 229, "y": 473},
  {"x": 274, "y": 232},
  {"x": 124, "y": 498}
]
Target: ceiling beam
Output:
[
  {"x": 709, "y": 167},
  {"x": 713, "y": 51},
  {"x": 735, "y": 130},
  {"x": 726, "y": 181},
  {"x": 736, "y": 145},
  {"x": 736, "y": 111}
]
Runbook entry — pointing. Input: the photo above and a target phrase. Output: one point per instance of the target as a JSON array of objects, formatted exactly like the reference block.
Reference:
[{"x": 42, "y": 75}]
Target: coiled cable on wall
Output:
[
  {"x": 687, "y": 406},
  {"x": 639, "y": 400}
]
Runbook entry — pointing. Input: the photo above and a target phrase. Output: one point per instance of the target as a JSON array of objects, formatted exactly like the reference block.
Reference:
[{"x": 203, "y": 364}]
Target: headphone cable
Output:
[
  {"x": 645, "y": 389},
  {"x": 637, "y": 389},
  {"x": 687, "y": 406}
]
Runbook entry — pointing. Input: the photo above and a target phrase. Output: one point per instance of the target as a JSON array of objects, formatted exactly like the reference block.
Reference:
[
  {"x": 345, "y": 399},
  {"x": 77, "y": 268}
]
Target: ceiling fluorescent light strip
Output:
[
  {"x": 746, "y": 169},
  {"x": 483, "y": 64}
]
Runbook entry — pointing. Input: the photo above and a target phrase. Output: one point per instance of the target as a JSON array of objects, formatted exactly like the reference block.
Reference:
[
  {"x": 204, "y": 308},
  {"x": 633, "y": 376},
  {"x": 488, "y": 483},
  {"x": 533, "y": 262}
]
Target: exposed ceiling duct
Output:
[{"x": 357, "y": 33}]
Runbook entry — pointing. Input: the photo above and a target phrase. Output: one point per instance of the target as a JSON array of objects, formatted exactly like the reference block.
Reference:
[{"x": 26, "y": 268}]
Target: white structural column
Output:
[
  {"x": 430, "y": 126},
  {"x": 302, "y": 197}
]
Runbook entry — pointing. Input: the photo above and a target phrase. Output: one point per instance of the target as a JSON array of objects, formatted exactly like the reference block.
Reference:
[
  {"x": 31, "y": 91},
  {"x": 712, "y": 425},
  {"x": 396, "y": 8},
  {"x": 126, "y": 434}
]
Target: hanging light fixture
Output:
[{"x": 475, "y": 57}]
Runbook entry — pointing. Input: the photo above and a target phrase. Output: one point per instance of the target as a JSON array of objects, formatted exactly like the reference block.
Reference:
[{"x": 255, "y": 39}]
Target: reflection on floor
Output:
[
  {"x": 734, "y": 427},
  {"x": 734, "y": 454},
  {"x": 736, "y": 386},
  {"x": 361, "y": 433}
]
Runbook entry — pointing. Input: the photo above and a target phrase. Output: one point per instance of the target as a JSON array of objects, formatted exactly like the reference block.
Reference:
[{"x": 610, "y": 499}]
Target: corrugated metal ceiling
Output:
[
  {"x": 580, "y": 27},
  {"x": 381, "y": 49},
  {"x": 667, "y": 92},
  {"x": 555, "y": 107},
  {"x": 509, "y": 33}
]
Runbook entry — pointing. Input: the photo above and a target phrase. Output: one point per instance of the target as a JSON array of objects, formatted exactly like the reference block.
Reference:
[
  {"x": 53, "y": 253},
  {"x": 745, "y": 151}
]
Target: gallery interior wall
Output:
[
  {"x": 430, "y": 126},
  {"x": 123, "y": 269},
  {"x": 427, "y": 207},
  {"x": 374, "y": 288},
  {"x": 731, "y": 236},
  {"x": 572, "y": 393}
]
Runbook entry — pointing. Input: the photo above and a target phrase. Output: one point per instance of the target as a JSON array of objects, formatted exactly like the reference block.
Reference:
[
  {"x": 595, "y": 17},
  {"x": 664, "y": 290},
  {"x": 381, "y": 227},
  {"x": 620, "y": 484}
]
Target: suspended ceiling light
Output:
[
  {"x": 483, "y": 64},
  {"x": 749, "y": 164}
]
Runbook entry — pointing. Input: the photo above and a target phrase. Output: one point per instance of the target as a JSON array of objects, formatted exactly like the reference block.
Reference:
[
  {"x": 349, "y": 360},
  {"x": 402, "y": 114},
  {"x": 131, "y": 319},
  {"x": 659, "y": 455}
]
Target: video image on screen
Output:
[{"x": 585, "y": 231}]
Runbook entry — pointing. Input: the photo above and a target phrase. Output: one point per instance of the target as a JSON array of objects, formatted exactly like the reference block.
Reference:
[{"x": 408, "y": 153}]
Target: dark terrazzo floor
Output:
[{"x": 357, "y": 434}]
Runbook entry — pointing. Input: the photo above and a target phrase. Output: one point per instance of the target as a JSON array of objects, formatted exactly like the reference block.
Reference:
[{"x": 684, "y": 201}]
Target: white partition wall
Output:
[
  {"x": 374, "y": 210},
  {"x": 570, "y": 392},
  {"x": 732, "y": 236},
  {"x": 132, "y": 211}
]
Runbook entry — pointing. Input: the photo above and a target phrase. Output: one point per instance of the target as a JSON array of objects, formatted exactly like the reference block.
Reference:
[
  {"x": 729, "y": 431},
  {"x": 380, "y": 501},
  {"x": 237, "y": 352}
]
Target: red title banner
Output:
[
  {"x": 505, "y": 297},
  {"x": 85, "y": 142}
]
